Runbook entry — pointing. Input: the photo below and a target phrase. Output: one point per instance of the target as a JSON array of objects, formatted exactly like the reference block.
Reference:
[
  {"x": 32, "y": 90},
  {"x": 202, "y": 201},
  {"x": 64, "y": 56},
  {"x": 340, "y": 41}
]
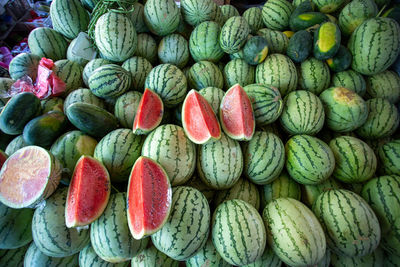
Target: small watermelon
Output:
[
  {"x": 149, "y": 113},
  {"x": 236, "y": 114},
  {"x": 88, "y": 192},
  {"x": 198, "y": 119},
  {"x": 149, "y": 198}
]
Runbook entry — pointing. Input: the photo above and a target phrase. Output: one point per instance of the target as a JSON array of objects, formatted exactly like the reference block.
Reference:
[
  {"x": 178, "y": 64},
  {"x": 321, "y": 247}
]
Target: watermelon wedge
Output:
[
  {"x": 236, "y": 114},
  {"x": 88, "y": 192},
  {"x": 149, "y": 113},
  {"x": 199, "y": 120},
  {"x": 149, "y": 198},
  {"x": 28, "y": 176},
  {"x": 3, "y": 158}
]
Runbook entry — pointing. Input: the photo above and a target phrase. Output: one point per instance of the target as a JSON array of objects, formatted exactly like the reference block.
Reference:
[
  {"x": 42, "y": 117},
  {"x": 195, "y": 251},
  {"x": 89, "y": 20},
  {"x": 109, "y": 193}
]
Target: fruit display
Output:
[{"x": 187, "y": 133}]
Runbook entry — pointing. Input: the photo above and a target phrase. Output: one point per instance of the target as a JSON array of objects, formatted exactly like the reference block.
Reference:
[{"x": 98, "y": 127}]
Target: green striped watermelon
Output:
[
  {"x": 161, "y": 16},
  {"x": 314, "y": 75},
  {"x": 174, "y": 49},
  {"x": 294, "y": 232},
  {"x": 197, "y": 11},
  {"x": 126, "y": 107},
  {"x": 391, "y": 240},
  {"x": 168, "y": 82},
  {"x": 351, "y": 80},
  {"x": 389, "y": 156},
  {"x": 35, "y": 258},
  {"x": 278, "y": 71},
  {"x": 89, "y": 4},
  {"x": 198, "y": 184},
  {"x": 264, "y": 157},
  {"x": 169, "y": 146},
  {"x": 382, "y": 121},
  {"x": 228, "y": 11},
  {"x": 187, "y": 228},
  {"x": 234, "y": 34},
  {"x": 46, "y": 42},
  {"x": 276, "y": 14},
  {"x": 328, "y": 6},
  {"x": 220, "y": 163},
  {"x": 52, "y": 104},
  {"x": 254, "y": 18},
  {"x": 91, "y": 66},
  {"x": 15, "y": 144},
  {"x": 24, "y": 64},
  {"x": 355, "y": 160},
  {"x": 70, "y": 72},
  {"x": 355, "y": 13},
  {"x": 150, "y": 257},
  {"x": 207, "y": 256},
  {"x": 146, "y": 47},
  {"x": 303, "y": 113},
  {"x": 89, "y": 258},
  {"x": 110, "y": 235},
  {"x": 311, "y": 192},
  {"x": 82, "y": 95},
  {"x": 238, "y": 71},
  {"x": 244, "y": 190},
  {"x": 204, "y": 42},
  {"x": 238, "y": 232},
  {"x": 268, "y": 258},
  {"x": 214, "y": 96},
  {"x": 115, "y": 37},
  {"x": 278, "y": 42},
  {"x": 137, "y": 17},
  {"x": 139, "y": 68},
  {"x": 350, "y": 225},
  {"x": 15, "y": 227},
  {"x": 345, "y": 111},
  {"x": 376, "y": 258},
  {"x": 375, "y": 44},
  {"x": 49, "y": 232},
  {"x": 267, "y": 103},
  {"x": 309, "y": 160},
  {"x": 384, "y": 85},
  {"x": 205, "y": 74},
  {"x": 69, "y": 17},
  {"x": 13, "y": 257}
]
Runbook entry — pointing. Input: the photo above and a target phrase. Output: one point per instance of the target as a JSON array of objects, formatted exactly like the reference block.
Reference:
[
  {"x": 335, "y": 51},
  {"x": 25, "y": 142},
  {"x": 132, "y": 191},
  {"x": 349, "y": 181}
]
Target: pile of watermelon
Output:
[{"x": 187, "y": 132}]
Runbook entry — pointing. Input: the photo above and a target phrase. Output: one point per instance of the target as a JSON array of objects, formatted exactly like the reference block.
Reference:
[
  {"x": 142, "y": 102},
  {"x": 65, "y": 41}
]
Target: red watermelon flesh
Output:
[
  {"x": 88, "y": 192},
  {"x": 3, "y": 158},
  {"x": 198, "y": 119},
  {"x": 236, "y": 114},
  {"x": 149, "y": 198},
  {"x": 149, "y": 113}
]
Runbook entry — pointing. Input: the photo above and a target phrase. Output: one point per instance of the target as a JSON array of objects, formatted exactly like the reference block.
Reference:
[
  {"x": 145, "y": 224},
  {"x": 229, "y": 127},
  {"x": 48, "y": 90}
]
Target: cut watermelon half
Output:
[
  {"x": 236, "y": 114},
  {"x": 28, "y": 176},
  {"x": 3, "y": 158},
  {"x": 149, "y": 113},
  {"x": 149, "y": 198},
  {"x": 199, "y": 120},
  {"x": 88, "y": 192}
]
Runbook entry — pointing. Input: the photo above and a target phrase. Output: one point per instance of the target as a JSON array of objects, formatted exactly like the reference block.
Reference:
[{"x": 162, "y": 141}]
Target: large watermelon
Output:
[{"x": 161, "y": 16}]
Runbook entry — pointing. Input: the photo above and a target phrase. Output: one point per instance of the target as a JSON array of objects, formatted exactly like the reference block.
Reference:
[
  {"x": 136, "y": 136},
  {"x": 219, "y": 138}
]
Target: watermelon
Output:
[
  {"x": 389, "y": 157},
  {"x": 204, "y": 42},
  {"x": 237, "y": 120},
  {"x": 314, "y": 75},
  {"x": 278, "y": 71},
  {"x": 3, "y": 158},
  {"x": 264, "y": 158},
  {"x": 268, "y": 258},
  {"x": 69, "y": 17},
  {"x": 15, "y": 227},
  {"x": 327, "y": 40},
  {"x": 137, "y": 17},
  {"x": 187, "y": 228},
  {"x": 355, "y": 13},
  {"x": 351, "y": 80},
  {"x": 205, "y": 74},
  {"x": 89, "y": 258},
  {"x": 266, "y": 102},
  {"x": 380, "y": 110},
  {"x": 88, "y": 192},
  {"x": 220, "y": 163},
  {"x": 384, "y": 85},
  {"x": 228, "y": 11},
  {"x": 150, "y": 257},
  {"x": 376, "y": 258},
  {"x": 198, "y": 184},
  {"x": 371, "y": 59},
  {"x": 391, "y": 239},
  {"x": 161, "y": 17},
  {"x": 35, "y": 258},
  {"x": 207, "y": 256},
  {"x": 197, "y": 11},
  {"x": 174, "y": 49},
  {"x": 303, "y": 113},
  {"x": 238, "y": 232},
  {"x": 214, "y": 96},
  {"x": 328, "y": 6},
  {"x": 254, "y": 18},
  {"x": 5, "y": 86},
  {"x": 341, "y": 61},
  {"x": 48, "y": 43},
  {"x": 69, "y": 72},
  {"x": 91, "y": 66},
  {"x": 118, "y": 151},
  {"x": 125, "y": 108},
  {"x": 28, "y": 176},
  {"x": 234, "y": 34},
  {"x": 276, "y": 14},
  {"x": 15, "y": 144},
  {"x": 13, "y": 257},
  {"x": 82, "y": 95},
  {"x": 300, "y": 46},
  {"x": 146, "y": 47},
  {"x": 149, "y": 113},
  {"x": 199, "y": 120},
  {"x": 255, "y": 50},
  {"x": 110, "y": 235},
  {"x": 278, "y": 42},
  {"x": 52, "y": 104},
  {"x": 244, "y": 190},
  {"x": 237, "y": 71},
  {"x": 169, "y": 146},
  {"x": 24, "y": 64},
  {"x": 139, "y": 67},
  {"x": 345, "y": 110},
  {"x": 311, "y": 192},
  {"x": 168, "y": 82},
  {"x": 149, "y": 198},
  {"x": 351, "y": 227},
  {"x": 115, "y": 37},
  {"x": 294, "y": 233},
  {"x": 49, "y": 231}
]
